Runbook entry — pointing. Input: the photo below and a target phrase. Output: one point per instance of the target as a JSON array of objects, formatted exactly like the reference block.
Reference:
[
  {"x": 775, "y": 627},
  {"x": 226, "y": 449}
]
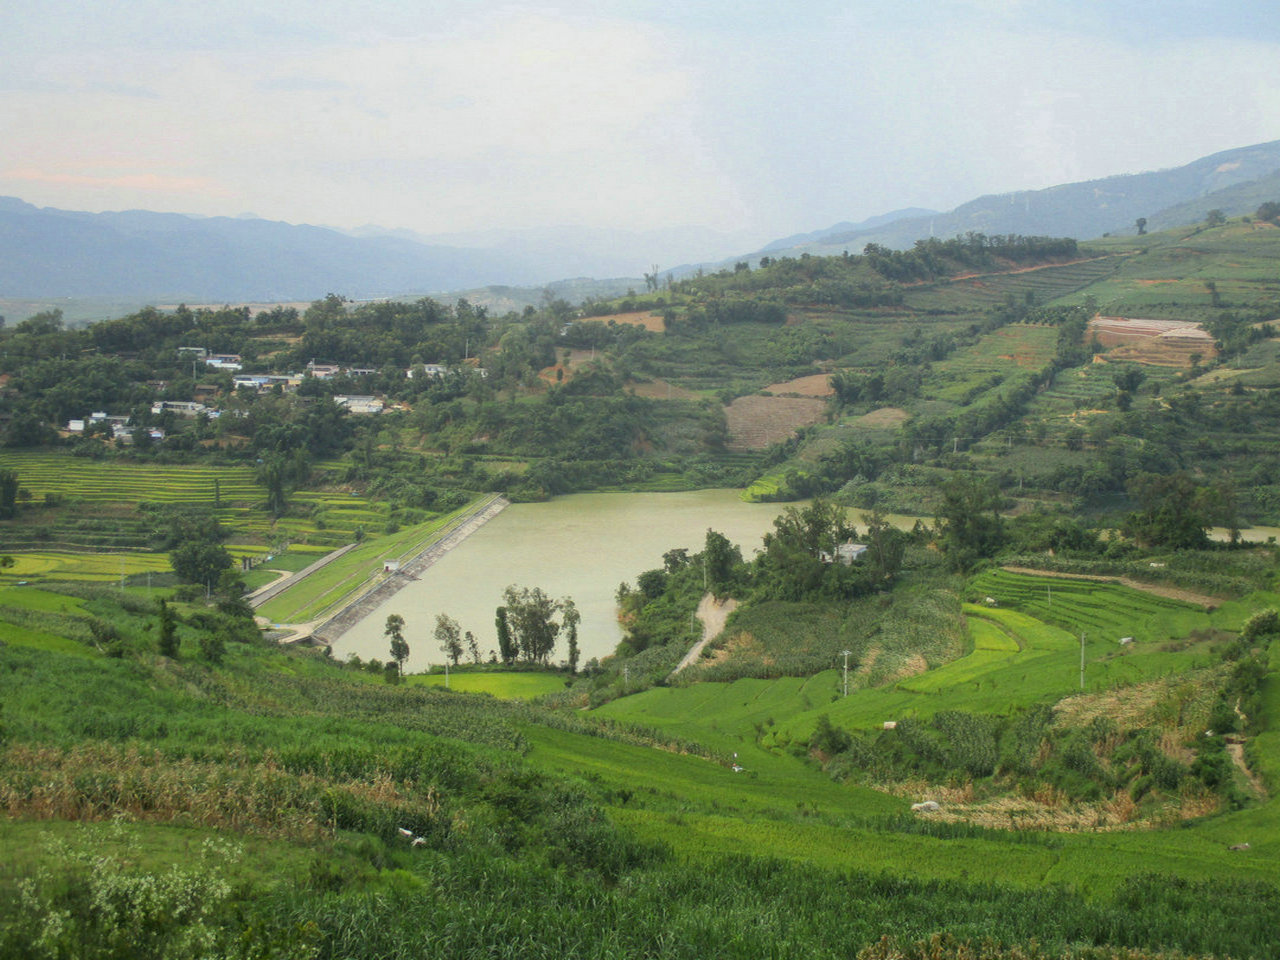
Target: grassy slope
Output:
[
  {"x": 282, "y": 715},
  {"x": 1016, "y": 660}
]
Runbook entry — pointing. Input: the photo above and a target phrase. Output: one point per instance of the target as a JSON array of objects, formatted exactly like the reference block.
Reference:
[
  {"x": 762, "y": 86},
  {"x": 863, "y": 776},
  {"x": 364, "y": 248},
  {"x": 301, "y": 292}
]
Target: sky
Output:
[{"x": 756, "y": 119}]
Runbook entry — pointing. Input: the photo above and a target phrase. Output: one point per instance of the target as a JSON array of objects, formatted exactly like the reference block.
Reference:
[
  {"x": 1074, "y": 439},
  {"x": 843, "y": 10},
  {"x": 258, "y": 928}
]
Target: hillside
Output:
[
  {"x": 270, "y": 802},
  {"x": 1047, "y": 448},
  {"x": 1235, "y": 180}
]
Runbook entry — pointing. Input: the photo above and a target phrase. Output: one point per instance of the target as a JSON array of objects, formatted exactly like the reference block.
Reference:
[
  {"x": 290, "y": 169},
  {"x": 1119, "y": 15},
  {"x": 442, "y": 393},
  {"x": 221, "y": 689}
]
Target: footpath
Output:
[
  {"x": 713, "y": 614},
  {"x": 394, "y": 581}
]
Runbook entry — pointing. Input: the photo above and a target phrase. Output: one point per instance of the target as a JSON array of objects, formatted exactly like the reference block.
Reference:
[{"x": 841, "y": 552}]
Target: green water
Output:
[{"x": 581, "y": 546}]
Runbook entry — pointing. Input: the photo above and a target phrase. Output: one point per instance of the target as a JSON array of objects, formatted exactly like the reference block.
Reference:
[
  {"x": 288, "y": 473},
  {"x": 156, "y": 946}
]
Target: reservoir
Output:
[{"x": 580, "y": 546}]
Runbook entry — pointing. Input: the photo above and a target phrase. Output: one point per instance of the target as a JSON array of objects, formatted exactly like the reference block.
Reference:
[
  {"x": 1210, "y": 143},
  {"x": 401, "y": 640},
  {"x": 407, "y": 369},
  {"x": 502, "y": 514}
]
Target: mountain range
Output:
[{"x": 156, "y": 257}]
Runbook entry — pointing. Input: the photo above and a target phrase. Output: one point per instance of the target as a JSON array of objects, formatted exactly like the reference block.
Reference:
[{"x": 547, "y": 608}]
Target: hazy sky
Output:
[{"x": 757, "y": 118}]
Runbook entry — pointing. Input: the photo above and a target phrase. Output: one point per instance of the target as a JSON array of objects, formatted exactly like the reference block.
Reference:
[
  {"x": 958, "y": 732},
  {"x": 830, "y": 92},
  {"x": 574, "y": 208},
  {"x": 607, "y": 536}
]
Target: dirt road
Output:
[{"x": 713, "y": 614}]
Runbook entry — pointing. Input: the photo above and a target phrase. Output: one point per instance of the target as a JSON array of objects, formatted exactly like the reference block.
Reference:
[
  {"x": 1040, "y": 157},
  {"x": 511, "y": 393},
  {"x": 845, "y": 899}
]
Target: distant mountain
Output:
[
  {"x": 1243, "y": 198},
  {"x": 47, "y": 252},
  {"x": 568, "y": 251},
  {"x": 1081, "y": 210},
  {"x": 836, "y": 232}
]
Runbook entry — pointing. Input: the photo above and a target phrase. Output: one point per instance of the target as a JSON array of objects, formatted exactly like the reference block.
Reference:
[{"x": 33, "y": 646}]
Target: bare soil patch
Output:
[
  {"x": 741, "y": 646},
  {"x": 713, "y": 613},
  {"x": 757, "y": 422},
  {"x": 1163, "y": 343},
  {"x": 641, "y": 318},
  {"x": 886, "y": 418},
  {"x": 815, "y": 385}
]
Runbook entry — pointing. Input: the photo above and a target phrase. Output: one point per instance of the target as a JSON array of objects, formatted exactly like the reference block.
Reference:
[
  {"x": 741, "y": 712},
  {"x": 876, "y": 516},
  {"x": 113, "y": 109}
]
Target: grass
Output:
[
  {"x": 505, "y": 686},
  {"x": 343, "y": 579},
  {"x": 272, "y": 743}
]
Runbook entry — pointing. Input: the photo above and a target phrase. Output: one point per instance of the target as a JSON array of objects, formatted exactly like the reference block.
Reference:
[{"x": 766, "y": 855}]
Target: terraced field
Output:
[
  {"x": 1097, "y": 607},
  {"x": 1007, "y": 354},
  {"x": 757, "y": 422},
  {"x": 989, "y": 290},
  {"x": 1016, "y": 659},
  {"x": 111, "y": 481}
]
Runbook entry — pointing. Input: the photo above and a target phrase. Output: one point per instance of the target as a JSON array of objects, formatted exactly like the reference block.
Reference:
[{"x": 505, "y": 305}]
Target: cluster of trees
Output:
[
  {"x": 800, "y": 560},
  {"x": 528, "y": 624},
  {"x": 933, "y": 258}
]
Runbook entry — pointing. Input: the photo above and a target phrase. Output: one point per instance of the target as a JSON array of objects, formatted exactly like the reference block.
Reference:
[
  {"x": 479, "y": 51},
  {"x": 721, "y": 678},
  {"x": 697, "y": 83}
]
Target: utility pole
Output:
[
  {"x": 626, "y": 678},
  {"x": 846, "y": 654},
  {"x": 1082, "y": 661}
]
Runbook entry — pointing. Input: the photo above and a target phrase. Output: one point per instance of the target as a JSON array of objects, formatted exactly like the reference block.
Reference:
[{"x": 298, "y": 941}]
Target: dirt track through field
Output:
[{"x": 713, "y": 613}]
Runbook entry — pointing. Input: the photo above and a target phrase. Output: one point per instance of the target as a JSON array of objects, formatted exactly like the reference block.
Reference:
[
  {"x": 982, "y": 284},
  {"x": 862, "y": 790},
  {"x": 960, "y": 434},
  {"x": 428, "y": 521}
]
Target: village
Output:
[{"x": 124, "y": 430}]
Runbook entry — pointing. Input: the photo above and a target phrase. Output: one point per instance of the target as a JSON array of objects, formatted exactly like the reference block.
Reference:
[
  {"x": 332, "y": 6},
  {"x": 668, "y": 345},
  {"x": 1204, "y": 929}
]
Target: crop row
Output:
[
  {"x": 1102, "y": 608},
  {"x": 97, "y": 481}
]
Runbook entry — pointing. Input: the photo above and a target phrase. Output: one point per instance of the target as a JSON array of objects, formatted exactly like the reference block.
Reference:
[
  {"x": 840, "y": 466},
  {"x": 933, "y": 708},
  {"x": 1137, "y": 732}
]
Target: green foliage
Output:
[
  {"x": 448, "y": 636},
  {"x": 530, "y": 617},
  {"x": 394, "y": 633},
  {"x": 199, "y": 562},
  {"x": 168, "y": 635},
  {"x": 969, "y": 521},
  {"x": 1176, "y": 511}
]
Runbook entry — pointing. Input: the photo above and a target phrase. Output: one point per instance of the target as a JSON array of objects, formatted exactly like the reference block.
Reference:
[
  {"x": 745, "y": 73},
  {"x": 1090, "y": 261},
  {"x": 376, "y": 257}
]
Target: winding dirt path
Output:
[
  {"x": 713, "y": 613},
  {"x": 1236, "y": 751}
]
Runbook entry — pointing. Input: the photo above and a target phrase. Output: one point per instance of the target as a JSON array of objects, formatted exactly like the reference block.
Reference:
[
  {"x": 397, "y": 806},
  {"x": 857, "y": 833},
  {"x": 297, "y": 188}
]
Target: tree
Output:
[
  {"x": 199, "y": 561},
  {"x": 530, "y": 615},
  {"x": 399, "y": 646},
  {"x": 449, "y": 635},
  {"x": 506, "y": 645},
  {"x": 8, "y": 494},
  {"x": 168, "y": 630},
  {"x": 213, "y": 646},
  {"x": 271, "y": 474},
  {"x": 796, "y": 563},
  {"x": 1142, "y": 226},
  {"x": 969, "y": 521},
  {"x": 885, "y": 546},
  {"x": 1175, "y": 511},
  {"x": 570, "y": 617},
  {"x": 721, "y": 560}
]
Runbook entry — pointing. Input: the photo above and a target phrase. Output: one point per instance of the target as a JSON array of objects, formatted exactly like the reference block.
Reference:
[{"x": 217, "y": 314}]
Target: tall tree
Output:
[
  {"x": 530, "y": 614},
  {"x": 570, "y": 618},
  {"x": 200, "y": 562},
  {"x": 506, "y": 645},
  {"x": 168, "y": 630},
  {"x": 394, "y": 632},
  {"x": 721, "y": 560},
  {"x": 449, "y": 635},
  {"x": 969, "y": 521},
  {"x": 885, "y": 546},
  {"x": 1175, "y": 511},
  {"x": 8, "y": 493}
]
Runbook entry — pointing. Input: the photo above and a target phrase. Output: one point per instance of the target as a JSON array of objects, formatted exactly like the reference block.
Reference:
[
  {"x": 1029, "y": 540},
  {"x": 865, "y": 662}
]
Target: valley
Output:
[{"x": 997, "y": 662}]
